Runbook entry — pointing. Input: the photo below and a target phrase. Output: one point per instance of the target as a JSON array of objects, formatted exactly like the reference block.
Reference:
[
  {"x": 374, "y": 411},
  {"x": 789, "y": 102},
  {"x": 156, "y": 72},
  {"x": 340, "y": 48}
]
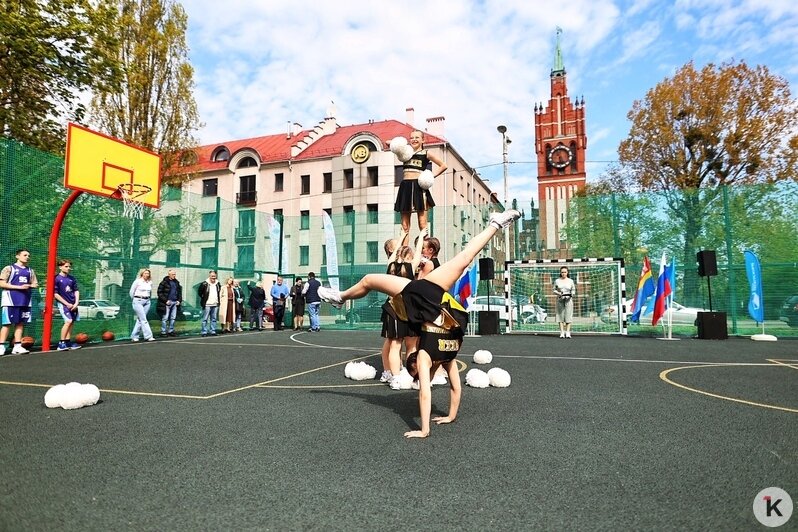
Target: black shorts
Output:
[{"x": 440, "y": 344}]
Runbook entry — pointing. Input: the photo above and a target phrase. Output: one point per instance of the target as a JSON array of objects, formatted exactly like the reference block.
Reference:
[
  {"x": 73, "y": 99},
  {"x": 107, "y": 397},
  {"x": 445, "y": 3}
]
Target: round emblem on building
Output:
[
  {"x": 361, "y": 153},
  {"x": 560, "y": 156}
]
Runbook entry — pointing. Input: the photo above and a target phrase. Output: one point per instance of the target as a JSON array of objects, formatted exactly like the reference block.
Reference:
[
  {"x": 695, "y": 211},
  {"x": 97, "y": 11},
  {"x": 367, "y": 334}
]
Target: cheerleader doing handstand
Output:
[{"x": 438, "y": 318}]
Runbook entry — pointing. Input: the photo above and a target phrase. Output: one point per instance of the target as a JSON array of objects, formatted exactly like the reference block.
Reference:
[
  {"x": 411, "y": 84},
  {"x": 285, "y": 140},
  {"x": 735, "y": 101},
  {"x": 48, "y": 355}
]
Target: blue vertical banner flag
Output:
[
  {"x": 332, "y": 252},
  {"x": 753, "y": 270},
  {"x": 645, "y": 289},
  {"x": 274, "y": 236},
  {"x": 662, "y": 293}
]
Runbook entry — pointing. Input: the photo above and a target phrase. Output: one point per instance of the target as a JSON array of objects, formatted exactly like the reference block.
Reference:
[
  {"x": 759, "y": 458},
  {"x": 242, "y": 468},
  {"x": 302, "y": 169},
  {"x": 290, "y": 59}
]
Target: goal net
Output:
[{"x": 598, "y": 301}]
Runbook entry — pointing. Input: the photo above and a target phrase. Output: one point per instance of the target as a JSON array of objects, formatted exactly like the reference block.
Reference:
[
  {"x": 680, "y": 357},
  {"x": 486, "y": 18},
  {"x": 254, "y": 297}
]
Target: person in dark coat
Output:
[
  {"x": 257, "y": 297},
  {"x": 170, "y": 296}
]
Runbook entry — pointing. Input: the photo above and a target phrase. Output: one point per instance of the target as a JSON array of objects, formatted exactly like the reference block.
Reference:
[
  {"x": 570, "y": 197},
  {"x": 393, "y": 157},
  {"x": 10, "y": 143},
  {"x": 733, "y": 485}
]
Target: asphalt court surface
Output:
[{"x": 262, "y": 430}]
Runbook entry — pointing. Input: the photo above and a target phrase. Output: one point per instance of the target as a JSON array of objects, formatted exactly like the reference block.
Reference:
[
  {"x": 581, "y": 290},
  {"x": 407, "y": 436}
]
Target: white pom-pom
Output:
[
  {"x": 73, "y": 396},
  {"x": 483, "y": 356},
  {"x": 405, "y": 153},
  {"x": 499, "y": 378},
  {"x": 360, "y": 371},
  {"x": 91, "y": 394},
  {"x": 426, "y": 179},
  {"x": 405, "y": 380},
  {"x": 54, "y": 396},
  {"x": 397, "y": 143},
  {"x": 477, "y": 378}
]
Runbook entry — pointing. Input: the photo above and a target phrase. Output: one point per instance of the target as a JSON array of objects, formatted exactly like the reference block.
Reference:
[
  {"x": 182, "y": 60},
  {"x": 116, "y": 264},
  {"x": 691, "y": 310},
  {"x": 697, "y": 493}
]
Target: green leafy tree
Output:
[
  {"x": 50, "y": 52},
  {"x": 154, "y": 108},
  {"x": 702, "y": 129}
]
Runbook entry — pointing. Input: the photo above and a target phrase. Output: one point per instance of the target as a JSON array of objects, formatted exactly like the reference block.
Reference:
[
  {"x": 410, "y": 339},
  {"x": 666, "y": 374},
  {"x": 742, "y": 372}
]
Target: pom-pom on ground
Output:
[
  {"x": 397, "y": 143},
  {"x": 108, "y": 336},
  {"x": 476, "y": 378},
  {"x": 81, "y": 338},
  {"x": 71, "y": 396},
  {"x": 426, "y": 179},
  {"x": 359, "y": 371},
  {"x": 483, "y": 356},
  {"x": 499, "y": 378},
  {"x": 28, "y": 341}
]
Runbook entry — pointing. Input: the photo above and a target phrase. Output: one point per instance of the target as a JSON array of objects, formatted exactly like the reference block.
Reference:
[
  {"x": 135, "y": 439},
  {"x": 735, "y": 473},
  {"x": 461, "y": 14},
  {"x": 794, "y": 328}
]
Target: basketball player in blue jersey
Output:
[
  {"x": 411, "y": 197},
  {"x": 16, "y": 280},
  {"x": 67, "y": 295}
]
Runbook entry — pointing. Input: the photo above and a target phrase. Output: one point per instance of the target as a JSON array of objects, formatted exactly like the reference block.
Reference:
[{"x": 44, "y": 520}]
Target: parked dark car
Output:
[
  {"x": 789, "y": 311},
  {"x": 185, "y": 312}
]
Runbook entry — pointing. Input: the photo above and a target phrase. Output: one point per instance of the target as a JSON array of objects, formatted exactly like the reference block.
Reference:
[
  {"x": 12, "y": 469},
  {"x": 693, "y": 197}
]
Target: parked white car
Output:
[
  {"x": 100, "y": 309},
  {"x": 681, "y": 315},
  {"x": 529, "y": 313}
]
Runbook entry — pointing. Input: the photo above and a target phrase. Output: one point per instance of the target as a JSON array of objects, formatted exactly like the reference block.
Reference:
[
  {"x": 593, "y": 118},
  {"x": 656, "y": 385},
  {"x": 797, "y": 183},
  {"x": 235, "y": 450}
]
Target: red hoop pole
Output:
[{"x": 52, "y": 260}]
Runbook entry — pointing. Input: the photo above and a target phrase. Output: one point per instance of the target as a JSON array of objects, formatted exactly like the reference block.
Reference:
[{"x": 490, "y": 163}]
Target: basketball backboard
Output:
[{"x": 100, "y": 164}]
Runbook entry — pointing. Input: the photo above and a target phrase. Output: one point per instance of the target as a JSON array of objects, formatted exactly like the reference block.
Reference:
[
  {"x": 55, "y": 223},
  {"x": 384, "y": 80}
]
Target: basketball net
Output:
[{"x": 129, "y": 193}]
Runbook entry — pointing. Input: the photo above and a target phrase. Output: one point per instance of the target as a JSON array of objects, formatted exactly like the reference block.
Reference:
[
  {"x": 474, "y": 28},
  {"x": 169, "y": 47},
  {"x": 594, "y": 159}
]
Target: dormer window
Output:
[
  {"x": 221, "y": 154},
  {"x": 247, "y": 162}
]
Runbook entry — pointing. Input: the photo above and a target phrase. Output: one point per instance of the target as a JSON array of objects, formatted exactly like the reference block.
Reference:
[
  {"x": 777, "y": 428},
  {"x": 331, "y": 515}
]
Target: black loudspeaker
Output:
[
  {"x": 707, "y": 262},
  {"x": 488, "y": 322},
  {"x": 712, "y": 326},
  {"x": 486, "y": 269}
]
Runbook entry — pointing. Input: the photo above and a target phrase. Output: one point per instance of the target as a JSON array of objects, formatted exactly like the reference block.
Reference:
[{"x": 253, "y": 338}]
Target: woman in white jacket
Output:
[{"x": 140, "y": 293}]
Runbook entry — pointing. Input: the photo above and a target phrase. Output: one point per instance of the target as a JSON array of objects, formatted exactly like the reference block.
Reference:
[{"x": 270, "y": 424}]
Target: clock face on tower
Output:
[{"x": 560, "y": 157}]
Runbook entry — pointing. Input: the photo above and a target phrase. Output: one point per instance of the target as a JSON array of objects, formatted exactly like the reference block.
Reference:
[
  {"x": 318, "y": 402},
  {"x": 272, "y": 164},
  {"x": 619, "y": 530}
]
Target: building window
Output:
[
  {"x": 304, "y": 220},
  {"x": 327, "y": 182},
  {"x": 398, "y": 175},
  {"x": 172, "y": 257},
  {"x": 246, "y": 224},
  {"x": 221, "y": 154},
  {"x": 208, "y": 257},
  {"x": 324, "y": 254},
  {"x": 171, "y": 193},
  {"x": 373, "y": 214},
  {"x": 278, "y": 215},
  {"x": 373, "y": 176},
  {"x": 397, "y": 218},
  {"x": 246, "y": 190},
  {"x": 304, "y": 255},
  {"x": 246, "y": 259},
  {"x": 210, "y": 187},
  {"x": 329, "y": 213},
  {"x": 208, "y": 221},
  {"x": 349, "y": 215},
  {"x": 173, "y": 224},
  {"x": 247, "y": 162},
  {"x": 349, "y": 254},
  {"x": 372, "y": 252},
  {"x": 305, "y": 184},
  {"x": 349, "y": 178},
  {"x": 278, "y": 182}
]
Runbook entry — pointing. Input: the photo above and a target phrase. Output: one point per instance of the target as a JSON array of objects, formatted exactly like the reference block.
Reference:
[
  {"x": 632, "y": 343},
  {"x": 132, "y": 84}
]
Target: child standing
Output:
[{"x": 67, "y": 295}]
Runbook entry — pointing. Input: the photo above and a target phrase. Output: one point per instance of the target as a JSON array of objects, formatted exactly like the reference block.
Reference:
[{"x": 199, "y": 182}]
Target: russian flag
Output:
[
  {"x": 645, "y": 289},
  {"x": 466, "y": 286},
  {"x": 663, "y": 291}
]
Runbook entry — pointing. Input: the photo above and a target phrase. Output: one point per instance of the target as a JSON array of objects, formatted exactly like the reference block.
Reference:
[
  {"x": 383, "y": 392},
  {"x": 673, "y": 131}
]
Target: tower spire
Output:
[{"x": 558, "y": 65}]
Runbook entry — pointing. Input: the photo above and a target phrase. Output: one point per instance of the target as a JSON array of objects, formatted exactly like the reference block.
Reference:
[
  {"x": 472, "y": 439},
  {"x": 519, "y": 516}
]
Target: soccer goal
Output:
[{"x": 598, "y": 301}]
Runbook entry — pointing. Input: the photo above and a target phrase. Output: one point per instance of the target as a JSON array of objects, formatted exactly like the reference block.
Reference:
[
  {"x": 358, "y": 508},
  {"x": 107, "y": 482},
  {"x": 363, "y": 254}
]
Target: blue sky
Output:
[{"x": 478, "y": 63}]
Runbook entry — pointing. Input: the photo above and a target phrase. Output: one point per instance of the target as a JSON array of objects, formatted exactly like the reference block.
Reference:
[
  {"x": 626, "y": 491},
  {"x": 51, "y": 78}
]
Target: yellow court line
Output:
[
  {"x": 664, "y": 376},
  {"x": 782, "y": 363},
  {"x": 126, "y": 392}
]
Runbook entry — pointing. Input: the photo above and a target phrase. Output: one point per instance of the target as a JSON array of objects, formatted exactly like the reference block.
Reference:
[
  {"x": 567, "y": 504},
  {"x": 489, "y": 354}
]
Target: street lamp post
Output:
[{"x": 505, "y": 143}]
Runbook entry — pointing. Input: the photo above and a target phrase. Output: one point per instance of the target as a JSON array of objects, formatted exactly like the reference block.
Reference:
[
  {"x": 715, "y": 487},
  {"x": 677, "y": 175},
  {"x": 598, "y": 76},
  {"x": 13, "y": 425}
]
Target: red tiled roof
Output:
[{"x": 276, "y": 148}]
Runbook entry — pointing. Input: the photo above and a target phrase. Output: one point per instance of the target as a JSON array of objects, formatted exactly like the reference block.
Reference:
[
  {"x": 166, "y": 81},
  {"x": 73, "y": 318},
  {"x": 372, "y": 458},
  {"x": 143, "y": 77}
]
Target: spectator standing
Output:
[
  {"x": 298, "y": 304},
  {"x": 279, "y": 294},
  {"x": 238, "y": 295},
  {"x": 16, "y": 280},
  {"x": 257, "y": 298},
  {"x": 170, "y": 296},
  {"x": 227, "y": 306},
  {"x": 67, "y": 296},
  {"x": 140, "y": 293},
  {"x": 313, "y": 301},
  {"x": 209, "y": 300}
]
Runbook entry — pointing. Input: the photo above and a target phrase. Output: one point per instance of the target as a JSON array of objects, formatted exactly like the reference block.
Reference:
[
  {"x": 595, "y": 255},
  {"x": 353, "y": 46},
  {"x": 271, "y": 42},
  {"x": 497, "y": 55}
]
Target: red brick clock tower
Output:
[{"x": 560, "y": 146}]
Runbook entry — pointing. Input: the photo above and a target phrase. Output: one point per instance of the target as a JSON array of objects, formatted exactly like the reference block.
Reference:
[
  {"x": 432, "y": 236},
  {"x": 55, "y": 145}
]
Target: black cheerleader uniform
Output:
[
  {"x": 437, "y": 317},
  {"x": 411, "y": 197},
  {"x": 392, "y": 326}
]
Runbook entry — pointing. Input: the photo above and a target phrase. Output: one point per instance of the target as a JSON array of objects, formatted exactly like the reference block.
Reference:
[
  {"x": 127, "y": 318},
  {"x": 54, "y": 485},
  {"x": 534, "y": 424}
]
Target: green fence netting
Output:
[{"x": 195, "y": 232}]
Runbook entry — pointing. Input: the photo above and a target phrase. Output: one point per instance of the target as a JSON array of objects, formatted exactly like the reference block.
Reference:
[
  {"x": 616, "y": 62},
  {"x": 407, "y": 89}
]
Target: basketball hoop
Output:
[{"x": 129, "y": 194}]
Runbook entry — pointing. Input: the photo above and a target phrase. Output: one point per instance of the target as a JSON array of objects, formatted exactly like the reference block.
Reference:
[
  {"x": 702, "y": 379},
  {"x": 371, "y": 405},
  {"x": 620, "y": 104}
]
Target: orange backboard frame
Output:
[{"x": 99, "y": 164}]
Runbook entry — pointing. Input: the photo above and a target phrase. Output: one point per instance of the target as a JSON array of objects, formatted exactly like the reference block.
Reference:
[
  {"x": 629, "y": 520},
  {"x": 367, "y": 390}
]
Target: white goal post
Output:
[{"x": 598, "y": 303}]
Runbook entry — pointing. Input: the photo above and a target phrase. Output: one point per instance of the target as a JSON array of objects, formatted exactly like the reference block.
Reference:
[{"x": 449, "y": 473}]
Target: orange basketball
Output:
[
  {"x": 81, "y": 338},
  {"x": 108, "y": 336},
  {"x": 28, "y": 341}
]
